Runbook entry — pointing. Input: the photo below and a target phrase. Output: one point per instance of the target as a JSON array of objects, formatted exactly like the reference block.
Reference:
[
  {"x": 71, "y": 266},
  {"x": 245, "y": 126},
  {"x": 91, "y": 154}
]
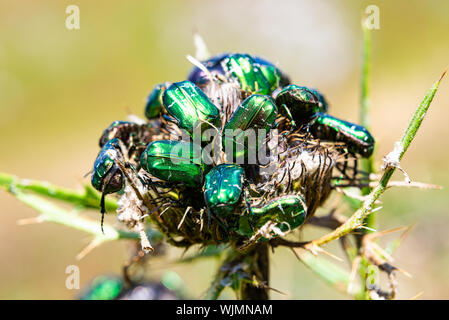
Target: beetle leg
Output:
[
  {"x": 290, "y": 117},
  {"x": 248, "y": 206},
  {"x": 123, "y": 150},
  {"x": 132, "y": 145},
  {"x": 221, "y": 223},
  {"x": 103, "y": 210},
  {"x": 354, "y": 169},
  {"x": 169, "y": 119},
  {"x": 345, "y": 165},
  {"x": 208, "y": 217},
  {"x": 124, "y": 164},
  {"x": 131, "y": 181},
  {"x": 247, "y": 202},
  {"x": 103, "y": 194}
]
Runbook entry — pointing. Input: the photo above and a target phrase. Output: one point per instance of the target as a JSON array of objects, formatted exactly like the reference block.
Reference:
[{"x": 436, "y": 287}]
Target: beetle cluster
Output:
[{"x": 235, "y": 153}]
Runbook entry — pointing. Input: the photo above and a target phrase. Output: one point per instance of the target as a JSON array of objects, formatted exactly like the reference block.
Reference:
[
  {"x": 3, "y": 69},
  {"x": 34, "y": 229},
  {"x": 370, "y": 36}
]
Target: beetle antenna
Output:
[
  {"x": 102, "y": 201},
  {"x": 103, "y": 210},
  {"x": 88, "y": 173}
]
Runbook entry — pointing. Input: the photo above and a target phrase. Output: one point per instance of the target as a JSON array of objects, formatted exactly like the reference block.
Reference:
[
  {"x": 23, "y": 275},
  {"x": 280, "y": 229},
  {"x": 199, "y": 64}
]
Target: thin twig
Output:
[{"x": 405, "y": 184}]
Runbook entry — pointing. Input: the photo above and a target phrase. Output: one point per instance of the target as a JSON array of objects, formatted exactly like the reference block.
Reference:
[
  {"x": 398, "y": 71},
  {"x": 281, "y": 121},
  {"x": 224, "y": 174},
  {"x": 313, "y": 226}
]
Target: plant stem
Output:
[
  {"x": 89, "y": 198},
  {"x": 259, "y": 269},
  {"x": 216, "y": 287},
  {"x": 247, "y": 273},
  {"x": 365, "y": 88},
  {"x": 52, "y": 213},
  {"x": 357, "y": 219},
  {"x": 366, "y": 164}
]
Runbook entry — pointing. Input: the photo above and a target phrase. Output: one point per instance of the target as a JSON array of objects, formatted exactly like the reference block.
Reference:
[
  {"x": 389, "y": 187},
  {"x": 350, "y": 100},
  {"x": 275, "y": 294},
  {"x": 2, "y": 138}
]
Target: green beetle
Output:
[
  {"x": 106, "y": 175},
  {"x": 244, "y": 68},
  {"x": 357, "y": 138},
  {"x": 249, "y": 74},
  {"x": 289, "y": 212},
  {"x": 322, "y": 102},
  {"x": 174, "y": 161},
  {"x": 308, "y": 106},
  {"x": 111, "y": 287},
  {"x": 134, "y": 136},
  {"x": 155, "y": 104},
  {"x": 223, "y": 188},
  {"x": 190, "y": 107},
  {"x": 104, "y": 288},
  {"x": 258, "y": 113},
  {"x": 273, "y": 74},
  {"x": 300, "y": 104}
]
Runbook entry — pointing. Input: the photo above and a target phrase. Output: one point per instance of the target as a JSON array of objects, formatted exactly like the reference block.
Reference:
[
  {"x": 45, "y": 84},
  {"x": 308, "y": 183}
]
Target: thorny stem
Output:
[
  {"x": 217, "y": 285},
  {"x": 391, "y": 163},
  {"x": 259, "y": 268},
  {"x": 87, "y": 199},
  {"x": 404, "y": 184},
  {"x": 247, "y": 273},
  {"x": 49, "y": 212},
  {"x": 367, "y": 165}
]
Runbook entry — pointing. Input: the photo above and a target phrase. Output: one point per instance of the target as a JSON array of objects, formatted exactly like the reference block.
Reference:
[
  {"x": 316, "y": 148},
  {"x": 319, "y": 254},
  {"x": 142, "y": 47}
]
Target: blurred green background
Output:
[{"x": 60, "y": 88}]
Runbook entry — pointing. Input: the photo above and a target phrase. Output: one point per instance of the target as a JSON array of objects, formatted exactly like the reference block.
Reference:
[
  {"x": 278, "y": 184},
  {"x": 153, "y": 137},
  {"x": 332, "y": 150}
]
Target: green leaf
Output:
[{"x": 89, "y": 198}]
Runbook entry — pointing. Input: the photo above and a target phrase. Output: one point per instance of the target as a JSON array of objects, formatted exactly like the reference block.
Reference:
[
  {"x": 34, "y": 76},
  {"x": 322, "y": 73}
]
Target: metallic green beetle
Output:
[
  {"x": 322, "y": 102},
  {"x": 134, "y": 136},
  {"x": 155, "y": 104},
  {"x": 174, "y": 161},
  {"x": 106, "y": 175},
  {"x": 308, "y": 106},
  {"x": 288, "y": 212},
  {"x": 119, "y": 129},
  {"x": 248, "y": 72},
  {"x": 110, "y": 287},
  {"x": 190, "y": 106},
  {"x": 220, "y": 65},
  {"x": 104, "y": 288},
  {"x": 257, "y": 112},
  {"x": 299, "y": 103},
  {"x": 273, "y": 74},
  {"x": 357, "y": 138},
  {"x": 223, "y": 188}
]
